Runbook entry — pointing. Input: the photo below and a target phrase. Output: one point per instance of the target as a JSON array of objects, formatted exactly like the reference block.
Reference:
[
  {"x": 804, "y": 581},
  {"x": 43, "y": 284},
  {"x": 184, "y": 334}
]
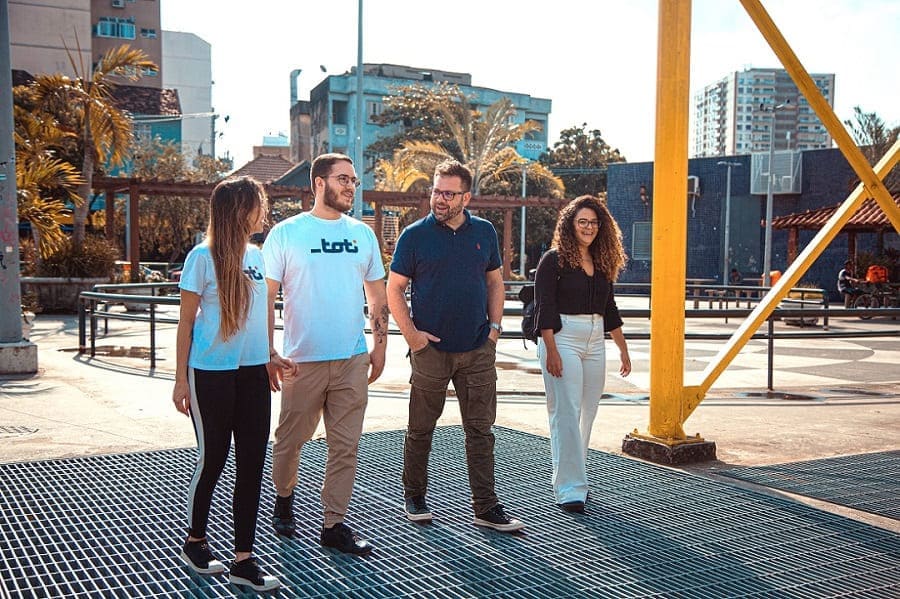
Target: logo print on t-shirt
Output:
[
  {"x": 336, "y": 247},
  {"x": 477, "y": 246},
  {"x": 253, "y": 273}
]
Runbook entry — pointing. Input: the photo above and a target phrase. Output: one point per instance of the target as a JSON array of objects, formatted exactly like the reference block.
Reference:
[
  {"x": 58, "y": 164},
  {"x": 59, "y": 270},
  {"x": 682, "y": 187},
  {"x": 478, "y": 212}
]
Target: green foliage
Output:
[
  {"x": 875, "y": 137},
  {"x": 95, "y": 258},
  {"x": 169, "y": 223},
  {"x": 581, "y": 150}
]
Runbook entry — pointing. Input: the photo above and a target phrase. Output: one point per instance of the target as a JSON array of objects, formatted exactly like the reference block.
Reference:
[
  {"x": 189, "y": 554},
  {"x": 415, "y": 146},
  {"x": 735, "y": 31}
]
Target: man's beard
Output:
[
  {"x": 335, "y": 200},
  {"x": 449, "y": 215}
]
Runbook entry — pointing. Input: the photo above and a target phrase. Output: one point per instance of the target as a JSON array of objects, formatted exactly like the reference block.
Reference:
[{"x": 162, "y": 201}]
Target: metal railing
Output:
[{"x": 95, "y": 304}]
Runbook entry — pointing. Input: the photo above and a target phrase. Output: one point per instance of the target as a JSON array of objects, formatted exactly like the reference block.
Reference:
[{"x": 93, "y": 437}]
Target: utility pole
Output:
[
  {"x": 767, "y": 250},
  {"x": 17, "y": 356},
  {"x": 727, "y": 242},
  {"x": 360, "y": 117},
  {"x": 522, "y": 272}
]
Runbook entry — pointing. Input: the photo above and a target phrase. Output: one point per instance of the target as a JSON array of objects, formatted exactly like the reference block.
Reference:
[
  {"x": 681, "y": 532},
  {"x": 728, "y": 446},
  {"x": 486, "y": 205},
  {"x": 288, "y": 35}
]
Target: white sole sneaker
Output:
[
  {"x": 269, "y": 582},
  {"x": 511, "y": 526},
  {"x": 426, "y": 517},
  {"x": 214, "y": 566}
]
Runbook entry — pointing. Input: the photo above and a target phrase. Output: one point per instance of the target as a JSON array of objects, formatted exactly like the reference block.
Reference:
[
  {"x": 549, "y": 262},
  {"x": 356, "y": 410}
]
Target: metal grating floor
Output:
[
  {"x": 867, "y": 482},
  {"x": 111, "y": 526}
]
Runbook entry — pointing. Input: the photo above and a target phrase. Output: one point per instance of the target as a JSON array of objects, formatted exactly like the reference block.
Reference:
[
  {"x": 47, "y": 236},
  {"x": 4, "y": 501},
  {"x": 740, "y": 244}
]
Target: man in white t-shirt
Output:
[{"x": 326, "y": 264}]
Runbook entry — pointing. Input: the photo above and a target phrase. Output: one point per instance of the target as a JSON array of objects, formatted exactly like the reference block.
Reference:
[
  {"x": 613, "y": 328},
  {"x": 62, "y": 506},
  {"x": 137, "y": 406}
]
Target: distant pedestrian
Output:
[
  {"x": 326, "y": 264},
  {"x": 452, "y": 260},
  {"x": 735, "y": 277},
  {"x": 575, "y": 306},
  {"x": 847, "y": 284},
  {"x": 220, "y": 373}
]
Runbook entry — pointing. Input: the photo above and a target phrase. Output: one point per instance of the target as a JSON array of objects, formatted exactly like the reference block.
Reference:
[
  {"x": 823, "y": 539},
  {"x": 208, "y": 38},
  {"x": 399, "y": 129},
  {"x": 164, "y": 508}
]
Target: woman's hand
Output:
[
  {"x": 554, "y": 362},
  {"x": 625, "y": 359},
  {"x": 181, "y": 396},
  {"x": 277, "y": 368}
]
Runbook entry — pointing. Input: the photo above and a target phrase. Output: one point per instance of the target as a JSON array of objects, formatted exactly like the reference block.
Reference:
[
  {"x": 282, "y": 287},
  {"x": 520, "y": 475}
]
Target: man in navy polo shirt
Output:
[{"x": 452, "y": 260}]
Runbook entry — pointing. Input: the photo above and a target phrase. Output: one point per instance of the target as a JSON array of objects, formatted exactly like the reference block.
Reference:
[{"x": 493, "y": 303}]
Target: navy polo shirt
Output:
[{"x": 448, "y": 270}]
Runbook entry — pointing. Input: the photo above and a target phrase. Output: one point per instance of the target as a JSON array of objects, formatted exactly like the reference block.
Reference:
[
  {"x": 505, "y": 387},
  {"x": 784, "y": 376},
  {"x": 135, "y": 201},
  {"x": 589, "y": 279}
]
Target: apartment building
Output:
[
  {"x": 733, "y": 115},
  {"x": 331, "y": 110}
]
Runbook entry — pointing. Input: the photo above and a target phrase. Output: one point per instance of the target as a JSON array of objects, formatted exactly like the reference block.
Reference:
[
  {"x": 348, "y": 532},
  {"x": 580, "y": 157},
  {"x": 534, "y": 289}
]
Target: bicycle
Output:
[{"x": 875, "y": 295}]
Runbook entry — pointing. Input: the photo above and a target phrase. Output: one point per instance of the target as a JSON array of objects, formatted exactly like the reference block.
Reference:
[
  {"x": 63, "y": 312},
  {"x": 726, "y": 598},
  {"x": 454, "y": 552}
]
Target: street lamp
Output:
[
  {"x": 767, "y": 250},
  {"x": 727, "y": 244}
]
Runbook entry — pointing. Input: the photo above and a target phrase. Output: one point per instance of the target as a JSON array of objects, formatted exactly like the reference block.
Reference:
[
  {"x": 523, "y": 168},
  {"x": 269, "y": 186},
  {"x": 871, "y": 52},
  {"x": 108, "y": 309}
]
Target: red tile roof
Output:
[
  {"x": 147, "y": 100},
  {"x": 869, "y": 217},
  {"x": 265, "y": 168}
]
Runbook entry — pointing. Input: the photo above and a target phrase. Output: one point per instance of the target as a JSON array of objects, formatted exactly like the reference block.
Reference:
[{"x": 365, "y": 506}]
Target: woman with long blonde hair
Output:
[
  {"x": 574, "y": 307},
  {"x": 221, "y": 381}
]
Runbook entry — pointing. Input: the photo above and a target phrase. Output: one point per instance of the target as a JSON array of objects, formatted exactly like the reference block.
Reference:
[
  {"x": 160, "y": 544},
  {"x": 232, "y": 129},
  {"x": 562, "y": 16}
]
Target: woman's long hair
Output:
[
  {"x": 606, "y": 250},
  {"x": 233, "y": 207}
]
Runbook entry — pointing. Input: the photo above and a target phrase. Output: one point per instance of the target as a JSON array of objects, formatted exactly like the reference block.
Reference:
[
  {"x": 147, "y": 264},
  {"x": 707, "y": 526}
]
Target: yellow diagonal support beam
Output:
[
  {"x": 791, "y": 276},
  {"x": 825, "y": 113}
]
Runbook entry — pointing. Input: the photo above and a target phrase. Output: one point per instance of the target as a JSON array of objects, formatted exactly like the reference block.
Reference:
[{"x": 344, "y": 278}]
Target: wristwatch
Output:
[{"x": 496, "y": 326}]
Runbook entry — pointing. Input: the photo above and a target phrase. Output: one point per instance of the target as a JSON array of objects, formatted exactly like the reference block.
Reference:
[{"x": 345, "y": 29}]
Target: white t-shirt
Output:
[
  {"x": 249, "y": 346},
  {"x": 321, "y": 265}
]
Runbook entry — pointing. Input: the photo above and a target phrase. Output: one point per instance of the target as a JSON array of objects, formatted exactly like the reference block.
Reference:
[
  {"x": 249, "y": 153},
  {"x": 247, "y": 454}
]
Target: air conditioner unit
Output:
[
  {"x": 118, "y": 3},
  {"x": 693, "y": 185}
]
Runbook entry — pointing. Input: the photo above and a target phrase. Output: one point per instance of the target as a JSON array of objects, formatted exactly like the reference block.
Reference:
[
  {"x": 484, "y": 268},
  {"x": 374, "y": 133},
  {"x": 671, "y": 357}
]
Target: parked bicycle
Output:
[{"x": 875, "y": 295}]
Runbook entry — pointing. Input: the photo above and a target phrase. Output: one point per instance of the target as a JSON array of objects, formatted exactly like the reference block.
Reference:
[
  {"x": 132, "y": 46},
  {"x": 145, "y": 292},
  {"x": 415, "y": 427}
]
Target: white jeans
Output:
[{"x": 572, "y": 400}]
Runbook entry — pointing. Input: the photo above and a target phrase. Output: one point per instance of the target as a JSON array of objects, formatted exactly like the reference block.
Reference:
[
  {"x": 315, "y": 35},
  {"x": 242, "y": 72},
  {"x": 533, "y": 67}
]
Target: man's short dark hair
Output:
[
  {"x": 452, "y": 168},
  {"x": 321, "y": 166}
]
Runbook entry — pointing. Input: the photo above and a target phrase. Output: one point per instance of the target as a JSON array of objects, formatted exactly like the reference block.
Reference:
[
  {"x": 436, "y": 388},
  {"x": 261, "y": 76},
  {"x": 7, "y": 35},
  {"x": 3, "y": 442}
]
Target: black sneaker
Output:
[
  {"x": 198, "y": 557},
  {"x": 417, "y": 510},
  {"x": 283, "y": 518},
  {"x": 573, "y": 507},
  {"x": 497, "y": 519},
  {"x": 342, "y": 538},
  {"x": 246, "y": 572}
]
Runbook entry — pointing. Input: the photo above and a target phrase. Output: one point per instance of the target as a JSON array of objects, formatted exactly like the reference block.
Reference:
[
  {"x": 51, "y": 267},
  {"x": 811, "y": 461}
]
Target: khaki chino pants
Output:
[{"x": 337, "y": 390}]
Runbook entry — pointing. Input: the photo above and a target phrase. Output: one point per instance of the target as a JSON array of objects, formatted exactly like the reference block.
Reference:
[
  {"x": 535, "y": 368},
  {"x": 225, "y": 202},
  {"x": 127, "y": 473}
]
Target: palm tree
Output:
[
  {"x": 104, "y": 130},
  {"x": 482, "y": 141},
  {"x": 43, "y": 180}
]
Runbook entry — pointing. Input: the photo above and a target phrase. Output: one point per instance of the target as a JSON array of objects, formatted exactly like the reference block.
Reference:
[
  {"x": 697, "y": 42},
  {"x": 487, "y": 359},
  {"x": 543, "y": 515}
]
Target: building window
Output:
[
  {"x": 641, "y": 240},
  {"x": 339, "y": 112},
  {"x": 115, "y": 27},
  {"x": 373, "y": 109},
  {"x": 150, "y": 72},
  {"x": 148, "y": 33}
]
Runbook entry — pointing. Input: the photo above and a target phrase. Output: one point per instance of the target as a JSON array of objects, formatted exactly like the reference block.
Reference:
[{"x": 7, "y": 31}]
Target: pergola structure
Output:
[
  {"x": 870, "y": 218},
  {"x": 135, "y": 188}
]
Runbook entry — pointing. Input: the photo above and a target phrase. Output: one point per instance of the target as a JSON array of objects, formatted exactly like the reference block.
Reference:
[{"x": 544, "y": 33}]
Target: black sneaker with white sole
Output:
[
  {"x": 497, "y": 519},
  {"x": 417, "y": 509},
  {"x": 199, "y": 558},
  {"x": 248, "y": 573}
]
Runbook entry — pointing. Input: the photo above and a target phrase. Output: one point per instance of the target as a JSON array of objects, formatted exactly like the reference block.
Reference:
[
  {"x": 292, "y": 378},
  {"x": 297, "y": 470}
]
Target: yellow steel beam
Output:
[
  {"x": 788, "y": 279},
  {"x": 669, "y": 248},
  {"x": 825, "y": 113}
]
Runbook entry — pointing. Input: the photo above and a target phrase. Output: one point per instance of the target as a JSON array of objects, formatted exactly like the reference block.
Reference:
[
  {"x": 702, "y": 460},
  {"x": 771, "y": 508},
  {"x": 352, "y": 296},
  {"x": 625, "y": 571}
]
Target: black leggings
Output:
[{"x": 226, "y": 402}]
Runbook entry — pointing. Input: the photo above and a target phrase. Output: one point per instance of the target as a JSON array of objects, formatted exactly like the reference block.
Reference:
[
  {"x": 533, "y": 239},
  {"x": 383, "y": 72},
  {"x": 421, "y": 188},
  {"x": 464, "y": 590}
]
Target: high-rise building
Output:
[
  {"x": 331, "y": 110},
  {"x": 734, "y": 115}
]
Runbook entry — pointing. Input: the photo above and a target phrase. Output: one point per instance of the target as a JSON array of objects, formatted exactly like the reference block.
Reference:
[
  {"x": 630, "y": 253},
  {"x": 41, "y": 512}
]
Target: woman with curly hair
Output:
[{"x": 574, "y": 308}]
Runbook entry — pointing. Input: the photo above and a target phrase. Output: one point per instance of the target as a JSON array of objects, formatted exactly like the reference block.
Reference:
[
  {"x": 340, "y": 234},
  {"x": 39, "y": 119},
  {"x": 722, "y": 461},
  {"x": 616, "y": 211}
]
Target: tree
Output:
[
  {"x": 580, "y": 158},
  {"x": 87, "y": 103},
  {"x": 169, "y": 223},
  {"x": 43, "y": 180},
  {"x": 875, "y": 137}
]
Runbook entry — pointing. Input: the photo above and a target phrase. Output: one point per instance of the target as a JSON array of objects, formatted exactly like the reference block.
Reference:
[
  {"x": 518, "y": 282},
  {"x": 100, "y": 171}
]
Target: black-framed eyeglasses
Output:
[
  {"x": 585, "y": 223},
  {"x": 447, "y": 196},
  {"x": 346, "y": 180}
]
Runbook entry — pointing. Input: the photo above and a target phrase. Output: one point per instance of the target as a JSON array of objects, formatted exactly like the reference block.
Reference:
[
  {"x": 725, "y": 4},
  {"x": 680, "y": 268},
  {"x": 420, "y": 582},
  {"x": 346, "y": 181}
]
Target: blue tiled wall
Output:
[{"x": 826, "y": 181}]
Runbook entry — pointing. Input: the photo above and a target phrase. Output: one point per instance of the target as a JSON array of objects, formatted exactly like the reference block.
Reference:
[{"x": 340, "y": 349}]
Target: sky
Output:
[{"x": 596, "y": 60}]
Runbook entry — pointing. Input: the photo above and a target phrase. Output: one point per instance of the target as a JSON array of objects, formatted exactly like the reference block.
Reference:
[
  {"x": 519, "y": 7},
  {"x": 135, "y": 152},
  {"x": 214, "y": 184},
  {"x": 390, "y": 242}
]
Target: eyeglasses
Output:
[
  {"x": 585, "y": 223},
  {"x": 346, "y": 180},
  {"x": 448, "y": 196}
]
